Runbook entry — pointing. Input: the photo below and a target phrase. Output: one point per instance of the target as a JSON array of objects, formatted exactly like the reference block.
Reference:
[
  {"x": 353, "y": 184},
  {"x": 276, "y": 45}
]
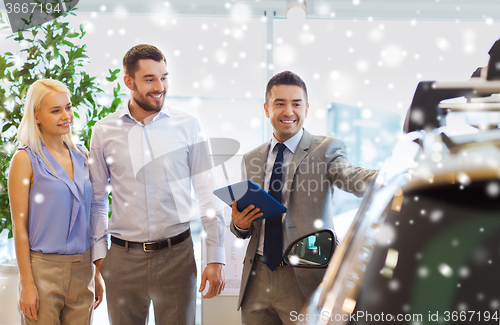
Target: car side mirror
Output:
[{"x": 312, "y": 251}]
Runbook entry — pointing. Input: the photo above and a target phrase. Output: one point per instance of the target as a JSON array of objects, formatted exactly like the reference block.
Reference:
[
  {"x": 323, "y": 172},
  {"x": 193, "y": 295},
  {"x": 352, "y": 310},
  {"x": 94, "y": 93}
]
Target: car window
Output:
[{"x": 435, "y": 256}]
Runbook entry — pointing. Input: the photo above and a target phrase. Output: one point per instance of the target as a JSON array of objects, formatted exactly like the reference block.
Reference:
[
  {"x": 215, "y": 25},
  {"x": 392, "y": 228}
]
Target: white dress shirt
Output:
[
  {"x": 150, "y": 169},
  {"x": 291, "y": 146}
]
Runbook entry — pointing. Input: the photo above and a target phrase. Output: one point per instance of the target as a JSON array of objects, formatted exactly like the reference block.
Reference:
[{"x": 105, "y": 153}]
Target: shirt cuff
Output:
[
  {"x": 100, "y": 249},
  {"x": 216, "y": 255},
  {"x": 243, "y": 232}
]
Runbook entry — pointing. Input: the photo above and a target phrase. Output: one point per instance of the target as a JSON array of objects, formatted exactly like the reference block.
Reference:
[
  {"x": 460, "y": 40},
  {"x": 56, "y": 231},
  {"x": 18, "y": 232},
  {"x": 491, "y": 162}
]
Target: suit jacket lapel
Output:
[
  {"x": 257, "y": 176},
  {"x": 257, "y": 170},
  {"x": 299, "y": 155}
]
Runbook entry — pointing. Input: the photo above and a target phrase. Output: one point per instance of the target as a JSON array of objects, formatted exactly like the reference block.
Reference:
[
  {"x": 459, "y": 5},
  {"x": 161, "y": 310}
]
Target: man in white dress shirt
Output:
[{"x": 149, "y": 155}]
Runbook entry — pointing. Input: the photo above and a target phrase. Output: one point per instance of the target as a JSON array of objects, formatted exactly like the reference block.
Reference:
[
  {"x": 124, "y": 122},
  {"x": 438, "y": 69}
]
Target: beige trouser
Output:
[
  {"x": 65, "y": 286},
  {"x": 134, "y": 278},
  {"x": 271, "y": 297}
]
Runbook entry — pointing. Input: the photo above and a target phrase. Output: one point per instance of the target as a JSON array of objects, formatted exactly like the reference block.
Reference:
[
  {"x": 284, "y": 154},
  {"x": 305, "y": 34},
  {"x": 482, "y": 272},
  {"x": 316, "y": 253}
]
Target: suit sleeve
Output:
[
  {"x": 241, "y": 233},
  {"x": 343, "y": 174}
]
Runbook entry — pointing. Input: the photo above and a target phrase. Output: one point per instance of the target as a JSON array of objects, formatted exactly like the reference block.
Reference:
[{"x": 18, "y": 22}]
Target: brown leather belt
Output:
[{"x": 155, "y": 245}]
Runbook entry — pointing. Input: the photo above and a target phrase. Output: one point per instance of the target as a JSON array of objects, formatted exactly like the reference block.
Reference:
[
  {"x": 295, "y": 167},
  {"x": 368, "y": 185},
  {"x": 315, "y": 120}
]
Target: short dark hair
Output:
[
  {"x": 141, "y": 52},
  {"x": 285, "y": 78}
]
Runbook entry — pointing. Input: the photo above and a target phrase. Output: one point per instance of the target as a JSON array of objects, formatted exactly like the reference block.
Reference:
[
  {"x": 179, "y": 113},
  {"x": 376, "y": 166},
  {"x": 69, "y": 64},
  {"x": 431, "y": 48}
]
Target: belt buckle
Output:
[{"x": 145, "y": 248}]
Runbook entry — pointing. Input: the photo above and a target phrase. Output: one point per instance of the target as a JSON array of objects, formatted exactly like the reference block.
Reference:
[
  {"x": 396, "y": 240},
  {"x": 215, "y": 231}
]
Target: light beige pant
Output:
[
  {"x": 271, "y": 297},
  {"x": 65, "y": 286},
  {"x": 134, "y": 278}
]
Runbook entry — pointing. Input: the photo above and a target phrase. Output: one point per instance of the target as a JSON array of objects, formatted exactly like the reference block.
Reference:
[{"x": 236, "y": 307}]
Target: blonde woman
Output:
[{"x": 50, "y": 194}]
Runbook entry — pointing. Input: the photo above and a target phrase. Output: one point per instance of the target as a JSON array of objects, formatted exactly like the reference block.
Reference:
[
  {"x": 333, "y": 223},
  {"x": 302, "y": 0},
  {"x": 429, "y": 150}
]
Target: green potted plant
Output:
[{"x": 49, "y": 51}]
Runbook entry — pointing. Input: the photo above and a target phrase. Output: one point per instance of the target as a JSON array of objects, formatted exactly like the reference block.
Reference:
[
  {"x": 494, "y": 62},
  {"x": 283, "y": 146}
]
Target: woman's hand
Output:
[{"x": 29, "y": 301}]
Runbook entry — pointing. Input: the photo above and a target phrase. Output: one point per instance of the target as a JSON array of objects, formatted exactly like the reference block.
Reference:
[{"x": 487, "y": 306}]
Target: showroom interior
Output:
[{"x": 361, "y": 60}]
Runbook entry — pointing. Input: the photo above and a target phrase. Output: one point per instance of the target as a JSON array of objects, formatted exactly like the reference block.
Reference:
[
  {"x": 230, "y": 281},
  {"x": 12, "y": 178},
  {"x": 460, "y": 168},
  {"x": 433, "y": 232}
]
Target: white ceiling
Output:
[{"x": 434, "y": 10}]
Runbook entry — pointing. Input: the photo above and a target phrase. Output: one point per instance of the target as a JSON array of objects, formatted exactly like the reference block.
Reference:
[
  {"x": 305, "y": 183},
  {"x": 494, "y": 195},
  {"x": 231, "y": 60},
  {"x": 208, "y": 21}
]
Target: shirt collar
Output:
[
  {"x": 291, "y": 143},
  {"x": 126, "y": 111}
]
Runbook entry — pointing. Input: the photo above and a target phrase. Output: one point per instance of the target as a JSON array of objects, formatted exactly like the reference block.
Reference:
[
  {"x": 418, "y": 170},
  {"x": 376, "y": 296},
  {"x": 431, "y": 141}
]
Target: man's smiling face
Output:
[
  {"x": 287, "y": 109},
  {"x": 150, "y": 85}
]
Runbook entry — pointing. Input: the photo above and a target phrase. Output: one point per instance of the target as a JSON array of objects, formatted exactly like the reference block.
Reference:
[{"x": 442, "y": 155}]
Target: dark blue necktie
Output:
[{"x": 273, "y": 237}]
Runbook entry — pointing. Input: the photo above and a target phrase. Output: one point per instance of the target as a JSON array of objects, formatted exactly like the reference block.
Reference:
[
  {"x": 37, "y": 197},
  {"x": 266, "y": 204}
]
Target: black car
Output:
[{"x": 424, "y": 247}]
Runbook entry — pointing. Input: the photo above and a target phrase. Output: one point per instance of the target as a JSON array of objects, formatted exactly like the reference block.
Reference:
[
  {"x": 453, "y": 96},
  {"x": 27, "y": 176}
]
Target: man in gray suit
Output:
[{"x": 301, "y": 171}]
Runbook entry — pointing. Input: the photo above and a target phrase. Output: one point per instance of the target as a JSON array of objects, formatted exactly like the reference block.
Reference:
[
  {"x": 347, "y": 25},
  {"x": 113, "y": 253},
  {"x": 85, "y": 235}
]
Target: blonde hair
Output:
[{"x": 29, "y": 133}]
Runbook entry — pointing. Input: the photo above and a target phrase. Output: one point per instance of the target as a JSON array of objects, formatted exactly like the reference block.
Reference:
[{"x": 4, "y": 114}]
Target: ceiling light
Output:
[{"x": 296, "y": 9}]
